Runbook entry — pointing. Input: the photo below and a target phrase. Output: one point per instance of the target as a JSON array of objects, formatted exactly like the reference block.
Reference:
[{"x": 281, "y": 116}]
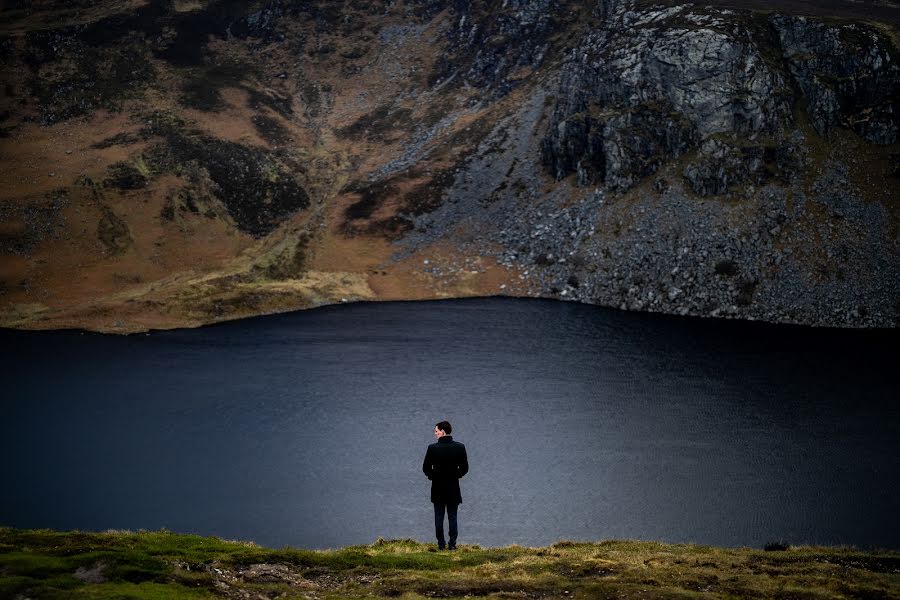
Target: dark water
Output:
[{"x": 309, "y": 429}]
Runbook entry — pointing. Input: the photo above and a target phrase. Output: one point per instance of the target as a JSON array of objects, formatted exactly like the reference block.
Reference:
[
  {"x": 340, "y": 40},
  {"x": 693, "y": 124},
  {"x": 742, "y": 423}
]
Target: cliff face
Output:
[{"x": 177, "y": 163}]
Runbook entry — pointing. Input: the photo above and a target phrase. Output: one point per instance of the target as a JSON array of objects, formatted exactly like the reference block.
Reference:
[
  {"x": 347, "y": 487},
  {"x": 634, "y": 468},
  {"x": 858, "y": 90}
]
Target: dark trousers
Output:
[{"x": 439, "y": 522}]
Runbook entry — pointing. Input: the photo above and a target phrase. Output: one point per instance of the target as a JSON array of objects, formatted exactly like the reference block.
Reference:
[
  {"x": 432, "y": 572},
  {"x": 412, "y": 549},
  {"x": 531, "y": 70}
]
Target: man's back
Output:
[{"x": 445, "y": 462}]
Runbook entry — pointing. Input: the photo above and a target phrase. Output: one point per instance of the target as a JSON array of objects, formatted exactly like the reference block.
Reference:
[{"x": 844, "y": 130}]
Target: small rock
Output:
[{"x": 92, "y": 575}]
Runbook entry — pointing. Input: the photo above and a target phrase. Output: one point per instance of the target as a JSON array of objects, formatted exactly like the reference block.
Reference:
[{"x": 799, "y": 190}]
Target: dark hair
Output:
[{"x": 444, "y": 426}]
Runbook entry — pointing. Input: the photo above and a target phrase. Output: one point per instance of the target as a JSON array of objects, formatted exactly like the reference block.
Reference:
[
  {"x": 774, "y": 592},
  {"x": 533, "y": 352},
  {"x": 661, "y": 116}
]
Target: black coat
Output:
[{"x": 445, "y": 462}]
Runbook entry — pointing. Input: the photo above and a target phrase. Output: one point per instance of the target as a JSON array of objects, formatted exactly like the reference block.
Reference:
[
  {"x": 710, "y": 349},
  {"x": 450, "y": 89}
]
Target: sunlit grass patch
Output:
[{"x": 398, "y": 545}]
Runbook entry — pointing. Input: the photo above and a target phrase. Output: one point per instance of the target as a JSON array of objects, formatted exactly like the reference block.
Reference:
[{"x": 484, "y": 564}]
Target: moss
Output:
[{"x": 140, "y": 166}]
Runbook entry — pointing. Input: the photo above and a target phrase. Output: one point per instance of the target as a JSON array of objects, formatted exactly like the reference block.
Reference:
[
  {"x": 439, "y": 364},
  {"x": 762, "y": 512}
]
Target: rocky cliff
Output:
[{"x": 176, "y": 163}]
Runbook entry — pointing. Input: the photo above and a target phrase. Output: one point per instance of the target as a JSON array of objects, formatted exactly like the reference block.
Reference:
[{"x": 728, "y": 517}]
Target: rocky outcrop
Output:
[
  {"x": 848, "y": 76},
  {"x": 699, "y": 74},
  {"x": 707, "y": 75},
  {"x": 718, "y": 166}
]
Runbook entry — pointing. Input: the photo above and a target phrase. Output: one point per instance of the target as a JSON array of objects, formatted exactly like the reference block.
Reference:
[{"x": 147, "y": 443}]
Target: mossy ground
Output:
[{"x": 52, "y": 564}]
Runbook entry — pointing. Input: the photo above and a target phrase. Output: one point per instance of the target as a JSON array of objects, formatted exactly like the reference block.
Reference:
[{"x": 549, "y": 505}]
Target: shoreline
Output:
[{"x": 63, "y": 324}]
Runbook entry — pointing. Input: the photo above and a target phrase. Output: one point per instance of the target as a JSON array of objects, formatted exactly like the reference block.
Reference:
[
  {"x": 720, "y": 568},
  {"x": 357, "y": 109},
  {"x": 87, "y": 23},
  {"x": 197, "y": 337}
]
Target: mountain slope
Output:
[{"x": 171, "y": 164}]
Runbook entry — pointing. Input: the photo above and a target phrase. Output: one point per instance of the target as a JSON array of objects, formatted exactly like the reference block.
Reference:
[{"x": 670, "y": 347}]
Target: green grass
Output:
[{"x": 119, "y": 565}]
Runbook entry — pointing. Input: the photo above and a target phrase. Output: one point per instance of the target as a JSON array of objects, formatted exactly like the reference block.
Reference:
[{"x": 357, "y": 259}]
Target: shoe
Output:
[
  {"x": 452, "y": 548},
  {"x": 440, "y": 547}
]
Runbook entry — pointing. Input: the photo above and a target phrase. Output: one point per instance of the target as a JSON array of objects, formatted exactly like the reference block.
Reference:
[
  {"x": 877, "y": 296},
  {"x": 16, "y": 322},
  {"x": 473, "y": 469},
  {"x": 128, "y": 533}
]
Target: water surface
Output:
[{"x": 309, "y": 429}]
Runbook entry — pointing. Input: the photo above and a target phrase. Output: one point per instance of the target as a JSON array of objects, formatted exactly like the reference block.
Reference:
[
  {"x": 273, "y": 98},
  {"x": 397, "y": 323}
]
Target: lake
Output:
[{"x": 309, "y": 429}]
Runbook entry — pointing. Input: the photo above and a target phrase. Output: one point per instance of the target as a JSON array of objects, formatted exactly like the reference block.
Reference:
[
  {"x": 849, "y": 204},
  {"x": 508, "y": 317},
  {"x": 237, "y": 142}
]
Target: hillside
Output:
[
  {"x": 45, "y": 564},
  {"x": 175, "y": 163}
]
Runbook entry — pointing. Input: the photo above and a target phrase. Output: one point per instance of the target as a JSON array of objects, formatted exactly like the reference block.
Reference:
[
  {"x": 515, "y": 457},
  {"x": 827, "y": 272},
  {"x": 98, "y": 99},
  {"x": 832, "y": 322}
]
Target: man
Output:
[{"x": 445, "y": 462}]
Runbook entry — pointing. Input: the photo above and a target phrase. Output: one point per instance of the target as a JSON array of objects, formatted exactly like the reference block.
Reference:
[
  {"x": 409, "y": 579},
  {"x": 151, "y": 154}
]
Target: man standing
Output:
[{"x": 445, "y": 462}]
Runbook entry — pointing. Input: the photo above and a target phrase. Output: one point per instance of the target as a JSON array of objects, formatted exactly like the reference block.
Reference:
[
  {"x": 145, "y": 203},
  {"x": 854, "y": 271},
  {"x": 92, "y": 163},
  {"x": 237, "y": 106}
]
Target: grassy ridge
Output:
[{"x": 51, "y": 564}]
